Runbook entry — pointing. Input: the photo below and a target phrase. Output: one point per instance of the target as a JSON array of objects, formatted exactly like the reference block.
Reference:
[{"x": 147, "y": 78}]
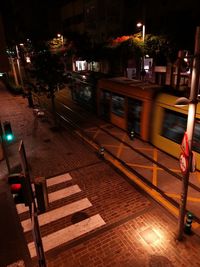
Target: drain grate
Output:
[{"x": 78, "y": 217}]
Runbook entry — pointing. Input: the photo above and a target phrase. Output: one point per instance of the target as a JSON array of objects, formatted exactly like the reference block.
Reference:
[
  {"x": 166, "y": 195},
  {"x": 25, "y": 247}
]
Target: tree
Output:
[
  {"x": 123, "y": 48},
  {"x": 48, "y": 70},
  {"x": 160, "y": 48}
]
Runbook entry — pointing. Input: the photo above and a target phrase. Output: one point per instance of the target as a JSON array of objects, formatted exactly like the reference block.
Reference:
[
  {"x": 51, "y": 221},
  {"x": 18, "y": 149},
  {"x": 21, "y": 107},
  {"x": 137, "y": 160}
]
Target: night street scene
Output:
[{"x": 99, "y": 133}]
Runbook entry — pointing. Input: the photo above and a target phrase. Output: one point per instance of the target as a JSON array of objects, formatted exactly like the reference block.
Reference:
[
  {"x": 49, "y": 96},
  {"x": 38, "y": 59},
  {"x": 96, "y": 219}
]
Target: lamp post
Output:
[
  {"x": 192, "y": 104},
  {"x": 18, "y": 65},
  {"x": 61, "y": 38},
  {"x": 139, "y": 25}
]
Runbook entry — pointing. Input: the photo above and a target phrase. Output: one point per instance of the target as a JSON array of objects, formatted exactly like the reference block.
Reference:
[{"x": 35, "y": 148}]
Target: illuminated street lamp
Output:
[
  {"x": 61, "y": 38},
  {"x": 18, "y": 65},
  {"x": 192, "y": 105},
  {"x": 139, "y": 25}
]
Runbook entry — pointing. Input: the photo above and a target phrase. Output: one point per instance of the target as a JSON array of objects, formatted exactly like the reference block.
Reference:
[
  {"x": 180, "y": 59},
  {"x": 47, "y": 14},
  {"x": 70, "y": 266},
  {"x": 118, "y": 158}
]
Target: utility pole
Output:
[
  {"x": 4, "y": 148},
  {"x": 32, "y": 208},
  {"x": 190, "y": 131}
]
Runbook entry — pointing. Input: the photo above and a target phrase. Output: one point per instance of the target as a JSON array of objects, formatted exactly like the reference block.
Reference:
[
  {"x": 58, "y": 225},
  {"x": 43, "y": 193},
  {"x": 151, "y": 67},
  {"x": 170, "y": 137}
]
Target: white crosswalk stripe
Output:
[
  {"x": 59, "y": 213},
  {"x": 68, "y": 233},
  {"x": 59, "y": 179},
  {"x": 65, "y": 192}
]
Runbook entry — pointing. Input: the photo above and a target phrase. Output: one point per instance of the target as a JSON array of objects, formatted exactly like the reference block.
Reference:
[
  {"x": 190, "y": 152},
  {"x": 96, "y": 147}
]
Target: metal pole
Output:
[
  {"x": 4, "y": 149},
  {"x": 19, "y": 68},
  {"x": 143, "y": 58},
  {"x": 190, "y": 130},
  {"x": 32, "y": 208},
  {"x": 143, "y": 32}
]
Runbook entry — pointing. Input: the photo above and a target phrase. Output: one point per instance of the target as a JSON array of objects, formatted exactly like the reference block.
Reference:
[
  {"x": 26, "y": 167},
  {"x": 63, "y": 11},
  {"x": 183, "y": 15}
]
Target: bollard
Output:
[
  {"x": 101, "y": 152},
  {"x": 188, "y": 223},
  {"x": 41, "y": 194},
  {"x": 132, "y": 134}
]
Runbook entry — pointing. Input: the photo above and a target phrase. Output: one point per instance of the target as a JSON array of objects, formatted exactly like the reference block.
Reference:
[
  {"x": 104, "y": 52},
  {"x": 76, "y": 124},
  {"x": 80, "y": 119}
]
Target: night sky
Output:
[{"x": 39, "y": 19}]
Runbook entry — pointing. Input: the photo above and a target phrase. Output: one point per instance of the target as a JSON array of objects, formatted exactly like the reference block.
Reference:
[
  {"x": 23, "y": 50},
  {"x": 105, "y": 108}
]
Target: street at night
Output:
[
  {"x": 99, "y": 133},
  {"x": 117, "y": 224}
]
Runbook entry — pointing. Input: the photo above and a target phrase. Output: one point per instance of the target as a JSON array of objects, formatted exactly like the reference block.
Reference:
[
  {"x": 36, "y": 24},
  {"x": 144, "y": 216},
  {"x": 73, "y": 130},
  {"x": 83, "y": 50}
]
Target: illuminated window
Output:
[
  {"x": 118, "y": 105},
  {"x": 174, "y": 126},
  {"x": 134, "y": 115}
]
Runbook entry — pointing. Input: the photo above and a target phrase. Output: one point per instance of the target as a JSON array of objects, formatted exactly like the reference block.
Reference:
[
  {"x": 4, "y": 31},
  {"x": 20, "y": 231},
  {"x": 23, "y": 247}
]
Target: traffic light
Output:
[
  {"x": 8, "y": 131},
  {"x": 20, "y": 189}
]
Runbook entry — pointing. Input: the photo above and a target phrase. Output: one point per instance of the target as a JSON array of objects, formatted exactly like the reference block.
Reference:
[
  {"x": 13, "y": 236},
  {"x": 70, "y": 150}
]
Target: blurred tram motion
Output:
[{"x": 149, "y": 111}]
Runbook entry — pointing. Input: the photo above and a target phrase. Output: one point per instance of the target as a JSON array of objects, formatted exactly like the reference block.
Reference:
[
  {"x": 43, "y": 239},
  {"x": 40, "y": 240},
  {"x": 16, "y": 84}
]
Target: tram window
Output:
[
  {"x": 82, "y": 93},
  {"x": 105, "y": 96},
  {"x": 86, "y": 93},
  {"x": 174, "y": 126},
  {"x": 196, "y": 137},
  {"x": 105, "y": 105},
  {"x": 118, "y": 105},
  {"x": 134, "y": 114}
]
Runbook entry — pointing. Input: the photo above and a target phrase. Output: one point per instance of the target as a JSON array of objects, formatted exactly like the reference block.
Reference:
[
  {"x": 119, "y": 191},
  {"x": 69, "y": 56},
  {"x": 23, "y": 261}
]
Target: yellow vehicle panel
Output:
[{"x": 165, "y": 101}]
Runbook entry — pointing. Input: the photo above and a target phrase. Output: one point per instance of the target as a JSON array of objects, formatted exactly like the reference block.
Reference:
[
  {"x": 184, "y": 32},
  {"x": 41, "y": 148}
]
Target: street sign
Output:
[
  {"x": 185, "y": 145},
  {"x": 183, "y": 160}
]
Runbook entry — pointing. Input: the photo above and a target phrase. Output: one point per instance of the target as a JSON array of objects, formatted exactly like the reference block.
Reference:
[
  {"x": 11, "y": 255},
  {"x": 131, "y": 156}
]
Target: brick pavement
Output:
[{"x": 129, "y": 214}]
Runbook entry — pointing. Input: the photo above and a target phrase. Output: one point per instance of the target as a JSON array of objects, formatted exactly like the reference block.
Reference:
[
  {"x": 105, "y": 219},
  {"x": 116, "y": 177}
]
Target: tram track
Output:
[
  {"x": 131, "y": 147},
  {"x": 74, "y": 120}
]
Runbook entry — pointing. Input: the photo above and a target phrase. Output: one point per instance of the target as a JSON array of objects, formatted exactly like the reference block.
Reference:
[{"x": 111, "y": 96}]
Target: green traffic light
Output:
[
  {"x": 8, "y": 131},
  {"x": 9, "y": 137}
]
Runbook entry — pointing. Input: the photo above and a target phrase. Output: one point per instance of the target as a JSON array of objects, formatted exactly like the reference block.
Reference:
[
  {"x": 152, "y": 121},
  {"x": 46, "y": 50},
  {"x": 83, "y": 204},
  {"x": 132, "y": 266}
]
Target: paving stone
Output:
[{"x": 126, "y": 211}]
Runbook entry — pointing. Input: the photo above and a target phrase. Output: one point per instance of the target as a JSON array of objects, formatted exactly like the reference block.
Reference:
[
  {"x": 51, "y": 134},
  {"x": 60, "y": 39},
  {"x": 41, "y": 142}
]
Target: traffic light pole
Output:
[
  {"x": 190, "y": 131},
  {"x": 4, "y": 148},
  {"x": 32, "y": 208}
]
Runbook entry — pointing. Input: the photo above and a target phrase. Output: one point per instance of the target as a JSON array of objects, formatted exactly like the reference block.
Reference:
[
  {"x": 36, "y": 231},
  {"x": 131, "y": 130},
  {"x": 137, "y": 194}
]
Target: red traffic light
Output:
[
  {"x": 15, "y": 188},
  {"x": 19, "y": 188}
]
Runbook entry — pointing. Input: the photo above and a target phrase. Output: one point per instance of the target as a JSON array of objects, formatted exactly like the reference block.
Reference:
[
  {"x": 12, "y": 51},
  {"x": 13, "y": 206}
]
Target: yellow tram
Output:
[
  {"x": 169, "y": 124},
  {"x": 127, "y": 104},
  {"x": 148, "y": 111}
]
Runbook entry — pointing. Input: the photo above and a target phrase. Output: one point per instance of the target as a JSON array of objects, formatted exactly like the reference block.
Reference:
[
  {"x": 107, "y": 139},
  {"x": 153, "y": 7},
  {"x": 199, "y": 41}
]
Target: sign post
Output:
[
  {"x": 4, "y": 149},
  {"x": 32, "y": 208},
  {"x": 190, "y": 132}
]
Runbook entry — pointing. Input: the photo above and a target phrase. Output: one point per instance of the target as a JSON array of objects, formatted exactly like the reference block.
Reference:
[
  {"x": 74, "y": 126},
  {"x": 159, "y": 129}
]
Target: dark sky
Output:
[
  {"x": 29, "y": 19},
  {"x": 39, "y": 19}
]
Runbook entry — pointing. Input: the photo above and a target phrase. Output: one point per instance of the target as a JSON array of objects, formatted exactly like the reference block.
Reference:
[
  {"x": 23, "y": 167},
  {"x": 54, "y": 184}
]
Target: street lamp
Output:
[
  {"x": 61, "y": 38},
  {"x": 18, "y": 65},
  {"x": 139, "y": 25},
  {"x": 192, "y": 104}
]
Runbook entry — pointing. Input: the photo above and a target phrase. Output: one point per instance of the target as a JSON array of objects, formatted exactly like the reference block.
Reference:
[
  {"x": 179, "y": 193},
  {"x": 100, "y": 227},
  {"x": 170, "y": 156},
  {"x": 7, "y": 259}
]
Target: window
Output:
[
  {"x": 134, "y": 115},
  {"x": 175, "y": 125},
  {"x": 196, "y": 137},
  {"x": 118, "y": 105}
]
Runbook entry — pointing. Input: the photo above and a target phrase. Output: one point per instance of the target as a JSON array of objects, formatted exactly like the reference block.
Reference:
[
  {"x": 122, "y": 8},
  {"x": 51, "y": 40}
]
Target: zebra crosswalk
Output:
[
  {"x": 70, "y": 232},
  {"x": 67, "y": 234}
]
